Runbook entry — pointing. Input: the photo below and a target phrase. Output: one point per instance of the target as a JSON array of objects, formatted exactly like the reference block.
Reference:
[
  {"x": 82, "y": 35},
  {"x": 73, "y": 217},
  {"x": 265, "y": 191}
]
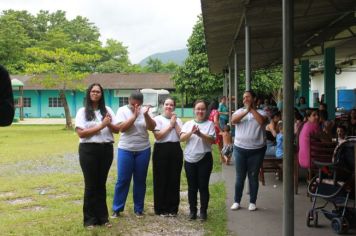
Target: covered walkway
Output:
[
  {"x": 267, "y": 220},
  {"x": 252, "y": 34}
]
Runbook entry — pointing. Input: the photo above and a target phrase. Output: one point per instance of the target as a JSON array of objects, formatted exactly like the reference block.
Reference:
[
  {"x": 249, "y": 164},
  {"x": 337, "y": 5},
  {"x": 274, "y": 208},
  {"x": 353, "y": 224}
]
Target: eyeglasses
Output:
[{"x": 95, "y": 91}]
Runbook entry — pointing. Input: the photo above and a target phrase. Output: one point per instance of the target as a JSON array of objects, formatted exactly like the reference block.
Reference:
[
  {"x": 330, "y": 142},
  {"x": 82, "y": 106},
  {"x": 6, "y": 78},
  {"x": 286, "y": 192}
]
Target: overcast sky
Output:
[{"x": 144, "y": 26}]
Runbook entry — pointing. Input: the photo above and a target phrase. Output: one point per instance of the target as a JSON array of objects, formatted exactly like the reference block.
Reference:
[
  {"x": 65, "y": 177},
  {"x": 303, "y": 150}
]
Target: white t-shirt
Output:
[
  {"x": 104, "y": 135},
  {"x": 249, "y": 134},
  {"x": 136, "y": 137},
  {"x": 196, "y": 148},
  {"x": 161, "y": 123}
]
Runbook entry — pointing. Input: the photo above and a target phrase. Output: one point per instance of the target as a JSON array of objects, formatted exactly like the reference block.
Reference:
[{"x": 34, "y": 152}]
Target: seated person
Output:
[
  {"x": 341, "y": 133},
  {"x": 279, "y": 140},
  {"x": 351, "y": 124},
  {"x": 325, "y": 124},
  {"x": 271, "y": 133},
  {"x": 309, "y": 128}
]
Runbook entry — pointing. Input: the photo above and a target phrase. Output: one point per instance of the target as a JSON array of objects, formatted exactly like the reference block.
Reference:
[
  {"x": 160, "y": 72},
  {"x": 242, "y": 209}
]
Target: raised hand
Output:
[
  {"x": 136, "y": 110},
  {"x": 196, "y": 130},
  {"x": 146, "y": 109},
  {"x": 173, "y": 120},
  {"x": 107, "y": 119}
]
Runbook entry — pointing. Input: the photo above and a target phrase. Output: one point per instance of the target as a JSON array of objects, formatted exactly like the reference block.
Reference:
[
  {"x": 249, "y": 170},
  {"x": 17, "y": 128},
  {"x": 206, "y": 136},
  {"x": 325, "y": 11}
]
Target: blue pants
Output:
[
  {"x": 222, "y": 123},
  {"x": 247, "y": 162},
  {"x": 130, "y": 164}
]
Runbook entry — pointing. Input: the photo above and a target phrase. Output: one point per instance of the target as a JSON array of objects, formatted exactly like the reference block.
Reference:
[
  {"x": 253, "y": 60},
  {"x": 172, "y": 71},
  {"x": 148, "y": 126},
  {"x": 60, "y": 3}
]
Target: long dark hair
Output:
[
  {"x": 213, "y": 105},
  {"x": 89, "y": 110}
]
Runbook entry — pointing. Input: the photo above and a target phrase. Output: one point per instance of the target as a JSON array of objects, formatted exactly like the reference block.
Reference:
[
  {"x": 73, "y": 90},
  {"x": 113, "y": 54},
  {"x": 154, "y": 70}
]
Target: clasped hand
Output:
[{"x": 196, "y": 130}]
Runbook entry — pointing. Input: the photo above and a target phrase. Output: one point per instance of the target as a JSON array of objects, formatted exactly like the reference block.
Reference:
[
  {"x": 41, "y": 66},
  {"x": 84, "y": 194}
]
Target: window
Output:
[
  {"x": 123, "y": 101},
  {"x": 26, "y": 102},
  {"x": 54, "y": 102}
]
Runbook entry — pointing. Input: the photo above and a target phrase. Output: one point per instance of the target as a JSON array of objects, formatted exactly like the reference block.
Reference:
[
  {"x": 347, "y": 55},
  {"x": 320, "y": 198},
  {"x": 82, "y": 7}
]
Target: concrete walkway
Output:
[
  {"x": 42, "y": 121},
  {"x": 267, "y": 220}
]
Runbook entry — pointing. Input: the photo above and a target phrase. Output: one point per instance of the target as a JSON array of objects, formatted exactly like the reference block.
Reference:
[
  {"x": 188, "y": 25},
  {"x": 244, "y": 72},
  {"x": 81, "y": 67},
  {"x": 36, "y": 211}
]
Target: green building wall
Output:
[{"x": 40, "y": 103}]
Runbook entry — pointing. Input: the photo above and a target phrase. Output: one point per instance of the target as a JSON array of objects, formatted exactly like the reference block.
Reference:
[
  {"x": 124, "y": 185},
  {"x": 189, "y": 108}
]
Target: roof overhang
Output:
[{"x": 317, "y": 25}]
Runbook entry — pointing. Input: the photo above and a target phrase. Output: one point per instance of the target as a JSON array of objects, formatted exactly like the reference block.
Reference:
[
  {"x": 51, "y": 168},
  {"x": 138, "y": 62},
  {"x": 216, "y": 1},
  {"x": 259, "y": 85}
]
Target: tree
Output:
[
  {"x": 194, "y": 77},
  {"x": 115, "y": 58},
  {"x": 154, "y": 65},
  {"x": 268, "y": 82},
  {"x": 13, "y": 41},
  {"x": 56, "y": 69}
]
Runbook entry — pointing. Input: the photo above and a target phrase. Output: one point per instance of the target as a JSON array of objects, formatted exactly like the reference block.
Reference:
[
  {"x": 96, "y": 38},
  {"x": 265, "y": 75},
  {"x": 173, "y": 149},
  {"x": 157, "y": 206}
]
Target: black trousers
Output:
[
  {"x": 95, "y": 160},
  {"x": 198, "y": 175},
  {"x": 167, "y": 165}
]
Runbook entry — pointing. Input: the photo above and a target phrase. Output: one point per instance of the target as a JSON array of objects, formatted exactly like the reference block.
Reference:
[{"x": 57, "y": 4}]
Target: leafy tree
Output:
[
  {"x": 171, "y": 67},
  {"x": 194, "y": 77},
  {"x": 115, "y": 58},
  {"x": 154, "y": 65},
  {"x": 267, "y": 82},
  {"x": 13, "y": 41},
  {"x": 56, "y": 69}
]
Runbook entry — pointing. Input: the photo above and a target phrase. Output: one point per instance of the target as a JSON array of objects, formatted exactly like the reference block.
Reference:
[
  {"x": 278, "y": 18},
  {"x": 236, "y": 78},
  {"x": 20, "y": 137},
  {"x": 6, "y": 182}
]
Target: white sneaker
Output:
[
  {"x": 252, "y": 207},
  {"x": 235, "y": 206}
]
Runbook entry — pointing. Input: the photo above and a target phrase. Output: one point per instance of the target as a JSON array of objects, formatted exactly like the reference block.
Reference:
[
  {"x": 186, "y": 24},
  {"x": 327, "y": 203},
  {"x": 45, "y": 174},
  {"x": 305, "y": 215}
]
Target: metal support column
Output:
[
  {"x": 236, "y": 80},
  {"x": 329, "y": 81},
  {"x": 288, "y": 116},
  {"x": 247, "y": 55},
  {"x": 304, "y": 74},
  {"x": 225, "y": 83},
  {"x": 230, "y": 93}
]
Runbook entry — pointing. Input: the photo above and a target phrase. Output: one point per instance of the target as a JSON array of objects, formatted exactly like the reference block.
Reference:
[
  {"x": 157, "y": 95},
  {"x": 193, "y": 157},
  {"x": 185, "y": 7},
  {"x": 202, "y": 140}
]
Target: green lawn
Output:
[{"x": 42, "y": 186}]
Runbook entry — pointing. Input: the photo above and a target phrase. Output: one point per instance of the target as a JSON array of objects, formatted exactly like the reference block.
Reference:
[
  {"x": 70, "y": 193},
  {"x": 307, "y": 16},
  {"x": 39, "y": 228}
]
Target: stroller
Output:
[{"x": 335, "y": 184}]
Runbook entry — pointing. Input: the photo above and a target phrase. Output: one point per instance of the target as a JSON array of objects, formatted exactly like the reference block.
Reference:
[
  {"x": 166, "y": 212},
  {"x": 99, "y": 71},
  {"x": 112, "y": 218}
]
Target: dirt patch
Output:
[
  {"x": 6, "y": 194},
  {"x": 56, "y": 196},
  {"x": 151, "y": 224},
  {"x": 18, "y": 201},
  {"x": 34, "y": 208},
  {"x": 77, "y": 202},
  {"x": 67, "y": 163}
]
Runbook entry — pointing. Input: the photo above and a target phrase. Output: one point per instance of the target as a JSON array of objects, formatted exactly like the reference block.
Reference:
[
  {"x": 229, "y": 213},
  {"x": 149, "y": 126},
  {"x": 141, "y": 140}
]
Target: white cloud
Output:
[{"x": 145, "y": 26}]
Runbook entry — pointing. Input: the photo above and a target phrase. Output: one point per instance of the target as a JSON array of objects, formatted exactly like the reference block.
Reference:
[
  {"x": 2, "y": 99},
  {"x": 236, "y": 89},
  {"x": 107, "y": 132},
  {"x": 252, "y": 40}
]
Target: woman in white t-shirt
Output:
[
  {"x": 167, "y": 161},
  {"x": 249, "y": 147},
  {"x": 93, "y": 125},
  {"x": 133, "y": 156},
  {"x": 198, "y": 161}
]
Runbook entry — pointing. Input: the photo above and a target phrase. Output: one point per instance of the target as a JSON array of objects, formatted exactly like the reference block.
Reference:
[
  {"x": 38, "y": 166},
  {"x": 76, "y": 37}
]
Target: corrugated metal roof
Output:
[{"x": 317, "y": 24}]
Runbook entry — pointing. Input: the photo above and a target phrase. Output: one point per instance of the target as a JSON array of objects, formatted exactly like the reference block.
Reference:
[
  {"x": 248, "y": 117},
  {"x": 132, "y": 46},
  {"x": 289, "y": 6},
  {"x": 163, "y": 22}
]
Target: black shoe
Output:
[
  {"x": 192, "y": 216},
  {"x": 139, "y": 214},
  {"x": 115, "y": 215},
  {"x": 172, "y": 214},
  {"x": 203, "y": 216}
]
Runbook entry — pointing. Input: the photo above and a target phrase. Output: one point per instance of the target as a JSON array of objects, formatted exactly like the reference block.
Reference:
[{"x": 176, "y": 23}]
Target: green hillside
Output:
[{"x": 176, "y": 56}]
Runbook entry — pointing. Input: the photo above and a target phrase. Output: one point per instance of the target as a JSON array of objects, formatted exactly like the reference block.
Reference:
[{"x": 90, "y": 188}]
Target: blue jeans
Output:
[
  {"x": 130, "y": 164},
  {"x": 222, "y": 122},
  {"x": 247, "y": 162}
]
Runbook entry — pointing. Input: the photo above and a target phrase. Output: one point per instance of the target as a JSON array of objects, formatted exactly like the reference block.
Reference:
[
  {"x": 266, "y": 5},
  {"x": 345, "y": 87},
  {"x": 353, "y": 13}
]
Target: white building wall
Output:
[{"x": 345, "y": 80}]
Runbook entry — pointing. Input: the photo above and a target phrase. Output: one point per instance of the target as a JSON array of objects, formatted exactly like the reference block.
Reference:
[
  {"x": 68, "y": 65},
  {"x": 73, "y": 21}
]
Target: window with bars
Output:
[
  {"x": 26, "y": 102},
  {"x": 54, "y": 102},
  {"x": 123, "y": 101}
]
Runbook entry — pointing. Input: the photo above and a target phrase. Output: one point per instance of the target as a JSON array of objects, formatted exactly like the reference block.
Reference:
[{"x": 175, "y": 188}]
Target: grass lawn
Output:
[{"x": 41, "y": 190}]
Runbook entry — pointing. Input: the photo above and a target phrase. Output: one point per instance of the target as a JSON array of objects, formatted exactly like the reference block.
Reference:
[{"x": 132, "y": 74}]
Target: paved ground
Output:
[
  {"x": 42, "y": 121},
  {"x": 267, "y": 220}
]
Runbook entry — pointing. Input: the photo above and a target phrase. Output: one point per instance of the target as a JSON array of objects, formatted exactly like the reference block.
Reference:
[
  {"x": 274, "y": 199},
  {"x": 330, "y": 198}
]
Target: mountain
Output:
[{"x": 176, "y": 56}]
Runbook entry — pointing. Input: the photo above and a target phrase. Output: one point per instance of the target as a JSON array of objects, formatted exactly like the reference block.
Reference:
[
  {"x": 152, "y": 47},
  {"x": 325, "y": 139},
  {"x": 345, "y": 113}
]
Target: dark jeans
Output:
[
  {"x": 167, "y": 162},
  {"x": 95, "y": 160},
  {"x": 247, "y": 162},
  {"x": 198, "y": 175}
]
